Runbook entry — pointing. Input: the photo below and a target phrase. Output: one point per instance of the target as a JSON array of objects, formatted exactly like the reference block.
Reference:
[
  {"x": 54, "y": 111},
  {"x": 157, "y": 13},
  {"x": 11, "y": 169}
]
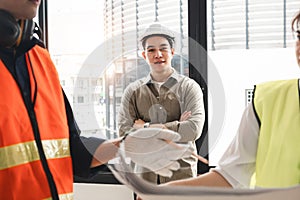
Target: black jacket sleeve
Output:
[{"x": 82, "y": 148}]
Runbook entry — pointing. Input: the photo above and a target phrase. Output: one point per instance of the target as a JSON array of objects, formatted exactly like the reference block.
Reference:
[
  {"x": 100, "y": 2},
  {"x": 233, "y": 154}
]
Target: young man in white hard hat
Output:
[{"x": 163, "y": 99}]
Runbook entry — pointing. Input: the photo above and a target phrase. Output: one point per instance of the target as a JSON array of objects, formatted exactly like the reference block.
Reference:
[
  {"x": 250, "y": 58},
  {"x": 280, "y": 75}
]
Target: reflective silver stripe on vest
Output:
[
  {"x": 22, "y": 153},
  {"x": 68, "y": 196}
]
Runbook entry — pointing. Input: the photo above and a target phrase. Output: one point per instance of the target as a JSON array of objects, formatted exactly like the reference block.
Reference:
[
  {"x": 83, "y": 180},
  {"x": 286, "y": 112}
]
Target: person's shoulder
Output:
[
  {"x": 185, "y": 80},
  {"x": 277, "y": 83},
  {"x": 273, "y": 89},
  {"x": 136, "y": 84}
]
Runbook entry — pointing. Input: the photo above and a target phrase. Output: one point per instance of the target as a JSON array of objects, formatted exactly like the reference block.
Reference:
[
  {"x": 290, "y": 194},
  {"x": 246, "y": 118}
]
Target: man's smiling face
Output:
[{"x": 158, "y": 53}]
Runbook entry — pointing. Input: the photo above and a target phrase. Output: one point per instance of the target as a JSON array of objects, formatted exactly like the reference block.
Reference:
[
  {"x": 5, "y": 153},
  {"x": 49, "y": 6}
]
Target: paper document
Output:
[{"x": 148, "y": 191}]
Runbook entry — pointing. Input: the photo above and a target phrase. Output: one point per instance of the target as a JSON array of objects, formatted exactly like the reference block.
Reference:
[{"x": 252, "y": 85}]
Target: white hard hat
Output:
[{"x": 157, "y": 29}]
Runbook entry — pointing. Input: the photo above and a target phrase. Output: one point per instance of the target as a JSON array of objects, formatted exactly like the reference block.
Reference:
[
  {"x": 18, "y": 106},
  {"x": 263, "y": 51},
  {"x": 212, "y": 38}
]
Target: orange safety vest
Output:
[{"x": 21, "y": 173}]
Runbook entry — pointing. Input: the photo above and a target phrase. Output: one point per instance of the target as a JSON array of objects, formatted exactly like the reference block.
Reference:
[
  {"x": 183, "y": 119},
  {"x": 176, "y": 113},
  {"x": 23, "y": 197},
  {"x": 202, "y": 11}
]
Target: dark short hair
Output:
[
  {"x": 170, "y": 39},
  {"x": 296, "y": 22}
]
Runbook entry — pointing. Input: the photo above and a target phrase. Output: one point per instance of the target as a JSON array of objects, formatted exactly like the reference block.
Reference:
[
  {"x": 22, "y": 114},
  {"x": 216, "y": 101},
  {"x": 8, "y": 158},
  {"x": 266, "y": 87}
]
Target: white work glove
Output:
[{"x": 148, "y": 148}]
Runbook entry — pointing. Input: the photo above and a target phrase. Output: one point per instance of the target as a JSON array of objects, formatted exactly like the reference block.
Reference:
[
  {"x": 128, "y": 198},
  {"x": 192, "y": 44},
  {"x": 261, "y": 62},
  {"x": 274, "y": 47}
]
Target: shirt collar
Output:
[{"x": 175, "y": 75}]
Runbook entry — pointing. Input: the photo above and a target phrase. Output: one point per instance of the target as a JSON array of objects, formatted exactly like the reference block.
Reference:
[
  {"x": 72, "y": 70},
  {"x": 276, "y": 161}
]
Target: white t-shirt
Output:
[{"x": 157, "y": 84}]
